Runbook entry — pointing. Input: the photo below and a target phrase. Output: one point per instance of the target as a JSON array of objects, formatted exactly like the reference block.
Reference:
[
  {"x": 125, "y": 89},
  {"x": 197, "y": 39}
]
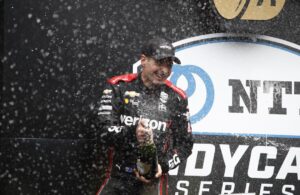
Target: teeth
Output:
[{"x": 160, "y": 76}]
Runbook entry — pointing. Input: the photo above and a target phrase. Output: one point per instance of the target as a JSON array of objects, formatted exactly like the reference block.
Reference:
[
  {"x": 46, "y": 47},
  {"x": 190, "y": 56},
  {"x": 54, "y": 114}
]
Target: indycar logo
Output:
[
  {"x": 249, "y": 9},
  {"x": 164, "y": 97}
]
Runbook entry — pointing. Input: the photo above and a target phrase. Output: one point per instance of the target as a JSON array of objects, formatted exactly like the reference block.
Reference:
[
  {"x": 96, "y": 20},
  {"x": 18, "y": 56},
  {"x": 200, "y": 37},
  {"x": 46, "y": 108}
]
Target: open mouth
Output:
[{"x": 160, "y": 76}]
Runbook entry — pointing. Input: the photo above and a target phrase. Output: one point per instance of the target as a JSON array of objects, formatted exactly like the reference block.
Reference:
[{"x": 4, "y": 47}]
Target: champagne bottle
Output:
[
  {"x": 147, "y": 161},
  {"x": 147, "y": 157}
]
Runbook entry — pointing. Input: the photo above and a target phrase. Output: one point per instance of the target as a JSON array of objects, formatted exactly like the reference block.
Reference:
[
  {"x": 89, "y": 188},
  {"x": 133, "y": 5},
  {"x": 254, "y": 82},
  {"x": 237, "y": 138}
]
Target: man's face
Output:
[{"x": 155, "y": 72}]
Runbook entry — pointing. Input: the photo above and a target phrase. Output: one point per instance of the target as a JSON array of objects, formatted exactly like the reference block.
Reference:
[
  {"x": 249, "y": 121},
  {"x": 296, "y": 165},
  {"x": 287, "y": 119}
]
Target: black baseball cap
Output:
[{"x": 159, "y": 48}]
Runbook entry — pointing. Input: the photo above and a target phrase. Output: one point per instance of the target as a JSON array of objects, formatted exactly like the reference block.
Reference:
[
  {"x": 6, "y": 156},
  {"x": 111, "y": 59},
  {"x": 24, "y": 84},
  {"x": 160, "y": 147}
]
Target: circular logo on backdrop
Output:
[
  {"x": 230, "y": 79},
  {"x": 189, "y": 72}
]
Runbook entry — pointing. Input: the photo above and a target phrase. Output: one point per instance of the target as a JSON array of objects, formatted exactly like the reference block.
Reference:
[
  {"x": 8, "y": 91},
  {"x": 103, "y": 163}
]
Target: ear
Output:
[{"x": 143, "y": 60}]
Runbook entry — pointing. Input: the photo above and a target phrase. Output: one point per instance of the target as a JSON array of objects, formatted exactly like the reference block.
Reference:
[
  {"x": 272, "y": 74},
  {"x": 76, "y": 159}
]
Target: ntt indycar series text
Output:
[{"x": 125, "y": 101}]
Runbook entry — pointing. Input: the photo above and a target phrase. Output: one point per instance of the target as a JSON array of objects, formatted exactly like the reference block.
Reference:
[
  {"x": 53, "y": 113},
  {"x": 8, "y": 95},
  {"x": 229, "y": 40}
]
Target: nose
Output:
[{"x": 165, "y": 70}]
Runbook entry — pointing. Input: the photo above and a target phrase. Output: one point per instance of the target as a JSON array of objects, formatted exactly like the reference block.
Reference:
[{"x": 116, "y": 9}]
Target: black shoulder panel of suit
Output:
[{"x": 125, "y": 78}]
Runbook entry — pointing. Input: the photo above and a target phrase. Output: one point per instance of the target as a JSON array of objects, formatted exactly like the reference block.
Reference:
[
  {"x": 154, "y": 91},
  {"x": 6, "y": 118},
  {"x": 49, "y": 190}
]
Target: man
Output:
[{"x": 135, "y": 108}]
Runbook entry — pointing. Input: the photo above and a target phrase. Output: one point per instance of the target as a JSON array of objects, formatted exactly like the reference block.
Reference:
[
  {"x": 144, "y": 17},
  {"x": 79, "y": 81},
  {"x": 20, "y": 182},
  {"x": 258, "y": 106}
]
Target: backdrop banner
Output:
[{"x": 244, "y": 101}]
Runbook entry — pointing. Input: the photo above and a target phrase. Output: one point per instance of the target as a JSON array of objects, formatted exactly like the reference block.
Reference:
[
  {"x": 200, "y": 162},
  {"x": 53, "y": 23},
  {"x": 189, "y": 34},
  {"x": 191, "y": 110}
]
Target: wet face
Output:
[{"x": 155, "y": 72}]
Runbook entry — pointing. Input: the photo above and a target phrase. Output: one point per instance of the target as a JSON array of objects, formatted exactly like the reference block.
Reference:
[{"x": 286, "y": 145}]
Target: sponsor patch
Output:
[
  {"x": 126, "y": 100},
  {"x": 162, "y": 107},
  {"x": 153, "y": 124},
  {"x": 132, "y": 94},
  {"x": 164, "y": 97},
  {"x": 103, "y": 107},
  {"x": 174, "y": 161},
  {"x": 104, "y": 113},
  {"x": 115, "y": 129},
  {"x": 134, "y": 102},
  {"x": 106, "y": 97},
  {"x": 105, "y": 101},
  {"x": 107, "y": 91}
]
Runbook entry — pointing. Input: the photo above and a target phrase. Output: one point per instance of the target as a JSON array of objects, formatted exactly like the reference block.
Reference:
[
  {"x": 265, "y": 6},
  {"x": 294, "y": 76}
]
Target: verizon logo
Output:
[{"x": 153, "y": 124}]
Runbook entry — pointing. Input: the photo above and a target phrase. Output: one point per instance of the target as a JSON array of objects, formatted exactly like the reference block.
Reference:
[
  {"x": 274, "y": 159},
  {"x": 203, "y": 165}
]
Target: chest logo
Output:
[
  {"x": 132, "y": 94},
  {"x": 130, "y": 97},
  {"x": 164, "y": 97},
  {"x": 162, "y": 107}
]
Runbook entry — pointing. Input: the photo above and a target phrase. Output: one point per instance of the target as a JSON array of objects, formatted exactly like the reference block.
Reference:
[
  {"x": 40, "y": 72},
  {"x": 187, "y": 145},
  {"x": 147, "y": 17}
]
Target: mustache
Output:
[{"x": 163, "y": 73}]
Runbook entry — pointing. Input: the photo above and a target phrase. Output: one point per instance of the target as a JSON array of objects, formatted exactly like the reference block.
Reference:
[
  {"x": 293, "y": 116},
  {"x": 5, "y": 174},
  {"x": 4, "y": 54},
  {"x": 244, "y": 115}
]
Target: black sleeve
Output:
[
  {"x": 182, "y": 133},
  {"x": 181, "y": 137},
  {"x": 110, "y": 131}
]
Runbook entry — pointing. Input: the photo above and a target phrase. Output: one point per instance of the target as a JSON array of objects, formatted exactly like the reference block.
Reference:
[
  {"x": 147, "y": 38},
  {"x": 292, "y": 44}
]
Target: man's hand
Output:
[
  {"x": 143, "y": 133},
  {"x": 158, "y": 172},
  {"x": 148, "y": 181}
]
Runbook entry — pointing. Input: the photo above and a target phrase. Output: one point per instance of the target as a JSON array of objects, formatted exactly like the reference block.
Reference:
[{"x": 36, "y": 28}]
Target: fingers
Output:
[
  {"x": 140, "y": 136},
  {"x": 159, "y": 171},
  {"x": 143, "y": 122},
  {"x": 141, "y": 178},
  {"x": 147, "y": 181},
  {"x": 144, "y": 180},
  {"x": 140, "y": 131},
  {"x": 143, "y": 132}
]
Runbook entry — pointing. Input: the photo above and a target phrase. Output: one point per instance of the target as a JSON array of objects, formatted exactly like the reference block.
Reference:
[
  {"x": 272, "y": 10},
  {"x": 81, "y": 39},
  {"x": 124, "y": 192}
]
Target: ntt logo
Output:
[{"x": 189, "y": 72}]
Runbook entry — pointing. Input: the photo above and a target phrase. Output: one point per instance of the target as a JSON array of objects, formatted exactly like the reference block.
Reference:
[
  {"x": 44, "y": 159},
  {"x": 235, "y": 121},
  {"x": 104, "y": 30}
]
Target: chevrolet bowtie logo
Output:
[
  {"x": 132, "y": 94},
  {"x": 249, "y": 9}
]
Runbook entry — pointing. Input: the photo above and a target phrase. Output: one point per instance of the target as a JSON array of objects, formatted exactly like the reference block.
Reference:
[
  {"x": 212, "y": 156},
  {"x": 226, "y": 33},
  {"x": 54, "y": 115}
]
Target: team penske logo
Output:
[{"x": 153, "y": 124}]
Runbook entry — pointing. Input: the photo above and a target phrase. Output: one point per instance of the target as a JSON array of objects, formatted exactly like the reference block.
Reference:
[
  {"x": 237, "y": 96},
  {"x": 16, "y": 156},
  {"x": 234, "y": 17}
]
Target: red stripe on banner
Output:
[{"x": 110, "y": 153}]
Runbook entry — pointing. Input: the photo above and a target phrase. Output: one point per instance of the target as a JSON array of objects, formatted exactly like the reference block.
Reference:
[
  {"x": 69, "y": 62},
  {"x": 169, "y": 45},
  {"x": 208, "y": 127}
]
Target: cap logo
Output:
[{"x": 165, "y": 47}]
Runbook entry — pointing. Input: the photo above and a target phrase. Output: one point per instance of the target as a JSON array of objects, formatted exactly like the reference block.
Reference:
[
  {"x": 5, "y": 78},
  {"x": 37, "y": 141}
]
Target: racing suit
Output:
[{"x": 125, "y": 99}]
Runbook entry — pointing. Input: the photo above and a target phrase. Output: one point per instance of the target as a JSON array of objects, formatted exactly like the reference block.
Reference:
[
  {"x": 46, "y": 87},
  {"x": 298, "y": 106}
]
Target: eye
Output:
[{"x": 168, "y": 62}]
